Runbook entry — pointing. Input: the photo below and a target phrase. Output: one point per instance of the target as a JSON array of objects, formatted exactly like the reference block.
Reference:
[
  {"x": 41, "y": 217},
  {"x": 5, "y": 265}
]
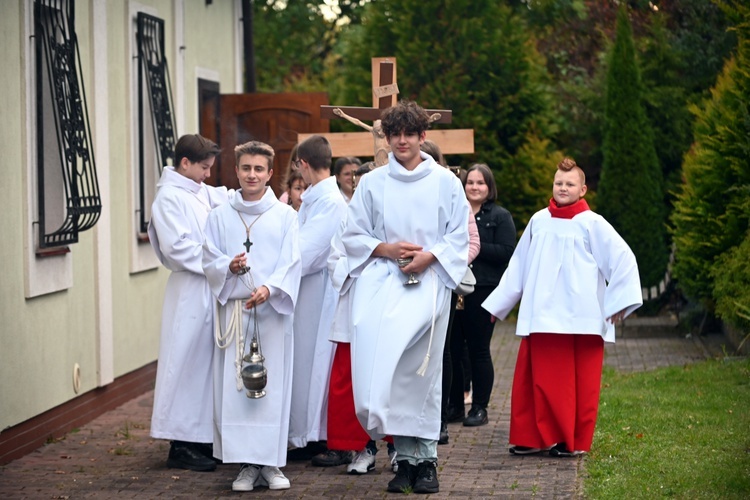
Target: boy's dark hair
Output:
[
  {"x": 315, "y": 150},
  {"x": 344, "y": 161},
  {"x": 406, "y": 116},
  {"x": 254, "y": 148},
  {"x": 489, "y": 179},
  {"x": 195, "y": 148}
]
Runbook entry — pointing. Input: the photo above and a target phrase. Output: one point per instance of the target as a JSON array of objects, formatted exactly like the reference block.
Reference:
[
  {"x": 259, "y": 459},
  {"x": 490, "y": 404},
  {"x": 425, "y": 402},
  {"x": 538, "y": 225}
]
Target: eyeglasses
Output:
[{"x": 296, "y": 163}]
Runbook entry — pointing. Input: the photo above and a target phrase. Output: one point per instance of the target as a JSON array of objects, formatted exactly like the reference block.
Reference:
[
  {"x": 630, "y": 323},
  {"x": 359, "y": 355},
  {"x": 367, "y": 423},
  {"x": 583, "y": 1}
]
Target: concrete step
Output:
[{"x": 650, "y": 327}]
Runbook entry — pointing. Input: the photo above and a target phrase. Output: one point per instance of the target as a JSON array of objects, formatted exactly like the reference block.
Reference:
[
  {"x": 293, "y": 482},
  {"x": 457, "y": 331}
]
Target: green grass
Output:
[{"x": 678, "y": 432}]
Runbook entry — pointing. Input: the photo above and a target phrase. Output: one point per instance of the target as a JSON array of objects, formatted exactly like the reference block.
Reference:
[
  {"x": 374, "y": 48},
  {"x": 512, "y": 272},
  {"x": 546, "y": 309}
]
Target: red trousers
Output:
[
  {"x": 556, "y": 386},
  {"x": 344, "y": 430}
]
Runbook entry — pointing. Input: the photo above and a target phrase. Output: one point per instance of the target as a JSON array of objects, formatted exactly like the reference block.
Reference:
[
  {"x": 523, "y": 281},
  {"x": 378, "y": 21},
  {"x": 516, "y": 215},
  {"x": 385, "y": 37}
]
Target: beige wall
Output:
[{"x": 107, "y": 309}]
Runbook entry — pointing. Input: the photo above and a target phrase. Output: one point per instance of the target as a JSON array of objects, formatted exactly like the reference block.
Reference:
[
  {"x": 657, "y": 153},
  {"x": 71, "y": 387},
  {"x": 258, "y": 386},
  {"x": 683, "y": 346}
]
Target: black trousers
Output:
[
  {"x": 448, "y": 362},
  {"x": 473, "y": 325}
]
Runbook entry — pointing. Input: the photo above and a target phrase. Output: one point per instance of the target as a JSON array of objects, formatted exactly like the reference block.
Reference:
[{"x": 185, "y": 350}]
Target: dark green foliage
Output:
[
  {"x": 713, "y": 208},
  {"x": 476, "y": 58},
  {"x": 526, "y": 184},
  {"x": 732, "y": 284},
  {"x": 702, "y": 39},
  {"x": 294, "y": 38},
  {"x": 289, "y": 58},
  {"x": 630, "y": 192},
  {"x": 665, "y": 99}
]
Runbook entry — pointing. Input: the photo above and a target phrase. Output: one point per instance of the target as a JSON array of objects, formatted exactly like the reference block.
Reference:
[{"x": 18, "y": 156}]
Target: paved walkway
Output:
[{"x": 114, "y": 455}]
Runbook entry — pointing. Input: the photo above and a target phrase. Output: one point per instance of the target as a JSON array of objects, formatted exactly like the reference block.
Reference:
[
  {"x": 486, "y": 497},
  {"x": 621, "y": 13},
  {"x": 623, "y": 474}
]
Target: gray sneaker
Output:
[
  {"x": 274, "y": 478},
  {"x": 246, "y": 479}
]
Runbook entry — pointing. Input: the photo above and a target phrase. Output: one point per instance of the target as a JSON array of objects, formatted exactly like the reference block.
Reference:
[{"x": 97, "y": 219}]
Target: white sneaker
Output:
[
  {"x": 246, "y": 479},
  {"x": 392, "y": 455},
  {"x": 363, "y": 462},
  {"x": 274, "y": 478}
]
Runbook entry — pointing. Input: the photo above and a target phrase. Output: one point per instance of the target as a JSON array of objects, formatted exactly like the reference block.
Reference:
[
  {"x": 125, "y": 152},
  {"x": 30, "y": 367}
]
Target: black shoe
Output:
[
  {"x": 332, "y": 458},
  {"x": 403, "y": 482},
  {"x": 183, "y": 455},
  {"x": 455, "y": 414},
  {"x": 477, "y": 416},
  {"x": 207, "y": 449},
  {"x": 306, "y": 452},
  {"x": 426, "y": 481},
  {"x": 561, "y": 450},
  {"x": 523, "y": 450},
  {"x": 443, "y": 433}
]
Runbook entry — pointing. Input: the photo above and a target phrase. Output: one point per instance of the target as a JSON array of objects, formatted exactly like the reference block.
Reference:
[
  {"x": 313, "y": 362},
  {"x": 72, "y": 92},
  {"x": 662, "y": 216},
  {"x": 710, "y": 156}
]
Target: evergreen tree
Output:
[
  {"x": 712, "y": 211},
  {"x": 630, "y": 194}
]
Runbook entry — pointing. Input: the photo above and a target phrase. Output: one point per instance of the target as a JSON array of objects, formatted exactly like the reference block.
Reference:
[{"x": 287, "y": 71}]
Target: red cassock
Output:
[
  {"x": 555, "y": 397},
  {"x": 344, "y": 430}
]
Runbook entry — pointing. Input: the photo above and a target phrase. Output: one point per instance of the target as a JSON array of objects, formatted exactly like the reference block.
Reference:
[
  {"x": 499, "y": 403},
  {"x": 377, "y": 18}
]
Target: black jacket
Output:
[{"x": 497, "y": 236}]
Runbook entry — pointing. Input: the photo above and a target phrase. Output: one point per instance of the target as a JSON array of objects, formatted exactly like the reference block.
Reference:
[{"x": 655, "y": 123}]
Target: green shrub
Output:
[{"x": 731, "y": 276}]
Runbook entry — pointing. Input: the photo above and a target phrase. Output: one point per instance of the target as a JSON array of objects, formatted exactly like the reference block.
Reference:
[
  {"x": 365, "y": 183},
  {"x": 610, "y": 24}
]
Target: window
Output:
[
  {"x": 68, "y": 200},
  {"x": 155, "y": 117}
]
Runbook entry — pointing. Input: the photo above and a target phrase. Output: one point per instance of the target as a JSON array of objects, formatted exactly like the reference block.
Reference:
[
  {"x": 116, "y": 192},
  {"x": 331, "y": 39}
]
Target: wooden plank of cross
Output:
[{"x": 384, "y": 95}]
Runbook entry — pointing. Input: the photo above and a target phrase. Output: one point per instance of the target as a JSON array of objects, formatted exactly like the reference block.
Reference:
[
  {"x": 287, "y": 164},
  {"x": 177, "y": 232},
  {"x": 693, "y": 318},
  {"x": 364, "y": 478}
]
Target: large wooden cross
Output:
[{"x": 384, "y": 95}]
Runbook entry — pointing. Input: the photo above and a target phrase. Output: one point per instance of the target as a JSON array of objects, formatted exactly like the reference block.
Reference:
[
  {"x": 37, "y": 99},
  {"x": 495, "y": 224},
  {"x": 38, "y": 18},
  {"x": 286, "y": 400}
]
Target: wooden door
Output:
[{"x": 275, "y": 119}]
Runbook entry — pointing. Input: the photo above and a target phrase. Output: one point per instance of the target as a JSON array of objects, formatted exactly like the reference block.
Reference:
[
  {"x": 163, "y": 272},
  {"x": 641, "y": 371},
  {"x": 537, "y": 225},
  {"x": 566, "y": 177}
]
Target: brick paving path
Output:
[{"x": 114, "y": 455}]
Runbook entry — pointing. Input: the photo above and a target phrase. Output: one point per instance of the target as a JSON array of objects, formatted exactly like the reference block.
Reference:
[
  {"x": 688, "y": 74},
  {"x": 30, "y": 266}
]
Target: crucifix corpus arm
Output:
[
  {"x": 381, "y": 144},
  {"x": 338, "y": 112}
]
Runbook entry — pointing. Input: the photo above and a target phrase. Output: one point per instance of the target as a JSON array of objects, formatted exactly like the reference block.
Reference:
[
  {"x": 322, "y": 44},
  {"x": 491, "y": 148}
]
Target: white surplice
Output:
[
  {"x": 396, "y": 326},
  {"x": 570, "y": 275},
  {"x": 254, "y": 430},
  {"x": 338, "y": 270},
  {"x": 183, "y": 377},
  {"x": 320, "y": 214}
]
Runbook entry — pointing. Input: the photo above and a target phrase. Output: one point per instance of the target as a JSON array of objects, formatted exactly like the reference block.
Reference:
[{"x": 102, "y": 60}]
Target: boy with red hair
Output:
[{"x": 576, "y": 278}]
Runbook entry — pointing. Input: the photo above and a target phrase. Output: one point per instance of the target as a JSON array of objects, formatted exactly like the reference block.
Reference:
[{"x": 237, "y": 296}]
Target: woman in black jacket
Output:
[{"x": 474, "y": 325}]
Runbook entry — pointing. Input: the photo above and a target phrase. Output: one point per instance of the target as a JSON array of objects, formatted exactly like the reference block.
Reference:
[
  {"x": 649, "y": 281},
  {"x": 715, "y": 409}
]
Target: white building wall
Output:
[{"x": 97, "y": 314}]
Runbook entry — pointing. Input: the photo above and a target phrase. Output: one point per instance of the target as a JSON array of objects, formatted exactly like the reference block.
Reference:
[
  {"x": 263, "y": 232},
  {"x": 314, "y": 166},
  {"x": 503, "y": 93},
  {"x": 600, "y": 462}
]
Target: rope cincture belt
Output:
[
  {"x": 426, "y": 361},
  {"x": 234, "y": 332}
]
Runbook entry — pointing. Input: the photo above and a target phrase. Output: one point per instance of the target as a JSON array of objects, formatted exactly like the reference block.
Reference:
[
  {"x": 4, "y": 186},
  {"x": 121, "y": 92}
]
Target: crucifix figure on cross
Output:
[{"x": 384, "y": 93}]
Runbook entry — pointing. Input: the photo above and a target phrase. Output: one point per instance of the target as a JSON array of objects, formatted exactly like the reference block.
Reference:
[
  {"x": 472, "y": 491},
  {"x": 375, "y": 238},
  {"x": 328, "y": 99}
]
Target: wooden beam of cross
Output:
[{"x": 384, "y": 95}]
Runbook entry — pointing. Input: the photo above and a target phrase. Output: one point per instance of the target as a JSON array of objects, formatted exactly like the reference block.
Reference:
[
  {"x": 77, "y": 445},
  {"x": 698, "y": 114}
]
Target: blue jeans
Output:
[{"x": 415, "y": 449}]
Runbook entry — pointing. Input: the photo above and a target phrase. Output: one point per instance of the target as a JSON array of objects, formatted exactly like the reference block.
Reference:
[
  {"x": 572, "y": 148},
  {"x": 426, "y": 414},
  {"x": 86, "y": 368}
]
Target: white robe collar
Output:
[
  {"x": 397, "y": 171},
  {"x": 313, "y": 193},
  {"x": 170, "y": 177},
  {"x": 253, "y": 207}
]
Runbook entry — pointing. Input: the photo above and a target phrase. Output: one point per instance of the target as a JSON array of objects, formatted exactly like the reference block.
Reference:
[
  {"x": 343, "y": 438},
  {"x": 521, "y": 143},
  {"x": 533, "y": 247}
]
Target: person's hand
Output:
[
  {"x": 238, "y": 262},
  {"x": 617, "y": 317},
  {"x": 420, "y": 261},
  {"x": 259, "y": 296},
  {"x": 393, "y": 251}
]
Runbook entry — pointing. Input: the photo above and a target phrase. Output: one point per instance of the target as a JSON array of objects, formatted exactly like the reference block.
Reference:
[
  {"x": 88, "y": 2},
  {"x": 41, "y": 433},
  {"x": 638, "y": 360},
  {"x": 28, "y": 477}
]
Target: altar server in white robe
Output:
[
  {"x": 411, "y": 208},
  {"x": 323, "y": 207},
  {"x": 576, "y": 278},
  {"x": 252, "y": 262},
  {"x": 182, "y": 409}
]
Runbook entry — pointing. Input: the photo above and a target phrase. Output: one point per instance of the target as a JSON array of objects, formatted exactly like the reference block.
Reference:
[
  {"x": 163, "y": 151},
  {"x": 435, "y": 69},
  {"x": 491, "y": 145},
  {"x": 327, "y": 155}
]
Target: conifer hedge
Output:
[
  {"x": 712, "y": 211},
  {"x": 630, "y": 194}
]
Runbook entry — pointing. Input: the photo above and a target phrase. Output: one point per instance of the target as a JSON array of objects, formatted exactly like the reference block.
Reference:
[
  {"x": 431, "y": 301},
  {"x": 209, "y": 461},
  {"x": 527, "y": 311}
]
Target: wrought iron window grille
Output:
[
  {"x": 153, "y": 75},
  {"x": 68, "y": 198}
]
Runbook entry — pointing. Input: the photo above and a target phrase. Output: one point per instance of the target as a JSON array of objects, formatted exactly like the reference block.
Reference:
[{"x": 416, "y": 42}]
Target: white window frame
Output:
[{"x": 142, "y": 256}]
